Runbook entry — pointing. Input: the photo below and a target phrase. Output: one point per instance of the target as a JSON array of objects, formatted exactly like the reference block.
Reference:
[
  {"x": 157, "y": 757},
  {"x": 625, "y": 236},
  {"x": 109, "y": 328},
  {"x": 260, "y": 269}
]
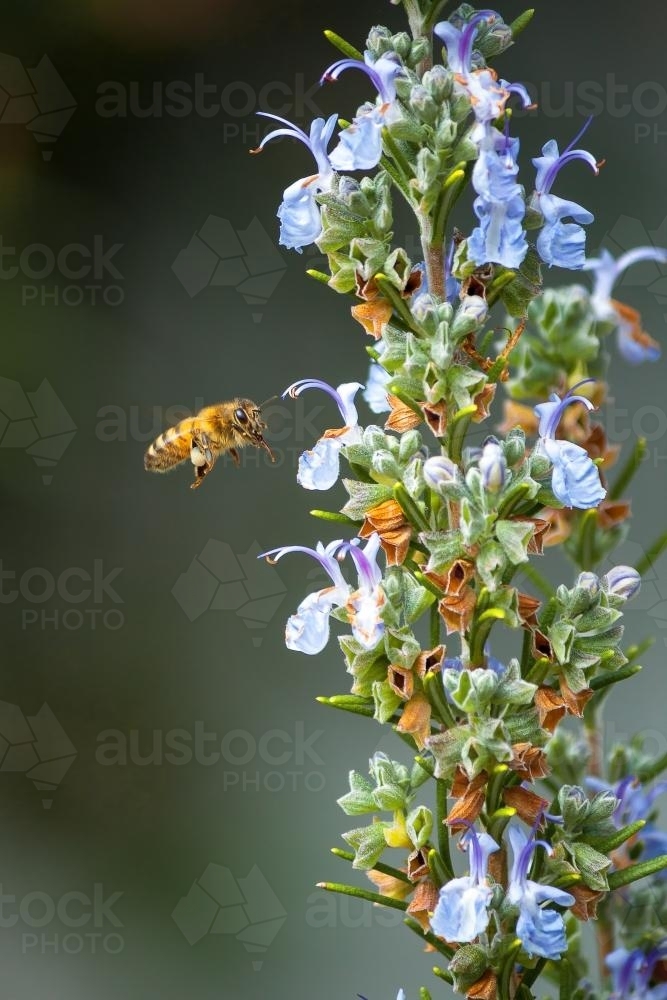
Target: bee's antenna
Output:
[{"x": 267, "y": 401}]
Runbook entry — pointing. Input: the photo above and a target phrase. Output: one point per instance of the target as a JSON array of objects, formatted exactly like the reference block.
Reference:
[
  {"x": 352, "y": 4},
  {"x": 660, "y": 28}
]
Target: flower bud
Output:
[
  {"x": 622, "y": 581},
  {"x": 440, "y": 472},
  {"x": 469, "y": 316},
  {"x": 439, "y": 82},
  {"x": 493, "y": 467},
  {"x": 588, "y": 582}
]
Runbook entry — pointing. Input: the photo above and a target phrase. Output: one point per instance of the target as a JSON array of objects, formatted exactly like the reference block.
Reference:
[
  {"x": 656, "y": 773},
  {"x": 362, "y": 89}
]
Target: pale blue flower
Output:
[
  {"x": 462, "y": 910},
  {"x": 576, "y": 479},
  {"x": 364, "y": 605},
  {"x": 375, "y": 392},
  {"x": 360, "y": 145},
  {"x": 459, "y": 41},
  {"x": 299, "y": 213},
  {"x": 307, "y": 631},
  {"x": 541, "y": 929},
  {"x": 320, "y": 466},
  {"x": 631, "y": 973},
  {"x": 499, "y": 206},
  {"x": 561, "y": 243},
  {"x": 634, "y": 343},
  {"x": 488, "y": 95},
  {"x": 622, "y": 581}
]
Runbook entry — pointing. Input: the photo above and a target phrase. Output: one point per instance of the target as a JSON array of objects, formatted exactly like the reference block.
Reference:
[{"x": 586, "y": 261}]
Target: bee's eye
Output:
[{"x": 241, "y": 416}]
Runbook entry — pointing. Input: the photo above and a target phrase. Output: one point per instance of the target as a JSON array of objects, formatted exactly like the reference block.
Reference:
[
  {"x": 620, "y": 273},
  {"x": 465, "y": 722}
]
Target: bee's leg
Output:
[
  {"x": 202, "y": 458},
  {"x": 235, "y": 456}
]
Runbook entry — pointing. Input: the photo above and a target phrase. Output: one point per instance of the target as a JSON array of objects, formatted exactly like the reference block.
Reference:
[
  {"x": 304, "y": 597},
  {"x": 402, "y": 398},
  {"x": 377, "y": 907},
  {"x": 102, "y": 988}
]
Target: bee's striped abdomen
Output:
[{"x": 170, "y": 448}]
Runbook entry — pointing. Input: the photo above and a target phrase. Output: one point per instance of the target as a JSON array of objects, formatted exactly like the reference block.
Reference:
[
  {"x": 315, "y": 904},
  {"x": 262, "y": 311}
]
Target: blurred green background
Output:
[{"x": 181, "y": 742}]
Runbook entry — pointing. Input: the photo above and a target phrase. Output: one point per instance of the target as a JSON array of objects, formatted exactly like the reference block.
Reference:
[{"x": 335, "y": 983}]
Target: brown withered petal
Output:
[
  {"x": 518, "y": 415},
  {"x": 425, "y": 898},
  {"x": 435, "y": 415},
  {"x": 401, "y": 680},
  {"x": 402, "y": 417},
  {"x": 413, "y": 283},
  {"x": 541, "y": 645},
  {"x": 459, "y": 575},
  {"x": 528, "y": 805},
  {"x": 429, "y": 660},
  {"x": 597, "y": 446},
  {"x": 456, "y": 612},
  {"x": 384, "y": 516},
  {"x": 613, "y": 512},
  {"x": 586, "y": 906},
  {"x": 416, "y": 719},
  {"x": 486, "y": 987},
  {"x": 537, "y": 540},
  {"x": 462, "y": 783},
  {"x": 529, "y": 761},
  {"x": 498, "y": 866},
  {"x": 417, "y": 865},
  {"x": 574, "y": 703},
  {"x": 387, "y": 885},
  {"x": 389, "y": 521},
  {"x": 467, "y": 808},
  {"x": 483, "y": 401},
  {"x": 550, "y": 707},
  {"x": 368, "y": 290},
  {"x": 373, "y": 316},
  {"x": 560, "y": 526},
  {"x": 528, "y": 608}
]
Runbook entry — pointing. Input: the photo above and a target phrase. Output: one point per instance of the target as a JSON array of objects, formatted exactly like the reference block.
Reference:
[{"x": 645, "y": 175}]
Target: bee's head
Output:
[{"x": 248, "y": 423}]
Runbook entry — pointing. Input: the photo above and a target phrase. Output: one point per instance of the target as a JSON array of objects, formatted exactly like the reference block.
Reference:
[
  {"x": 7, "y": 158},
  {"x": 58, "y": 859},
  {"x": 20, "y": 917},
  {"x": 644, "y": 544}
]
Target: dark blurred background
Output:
[{"x": 168, "y": 781}]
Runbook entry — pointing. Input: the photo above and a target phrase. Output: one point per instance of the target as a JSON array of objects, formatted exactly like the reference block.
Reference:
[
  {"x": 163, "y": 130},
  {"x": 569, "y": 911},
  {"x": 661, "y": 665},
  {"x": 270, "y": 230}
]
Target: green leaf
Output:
[
  {"x": 359, "y": 799},
  {"x": 368, "y": 844},
  {"x": 634, "y": 872},
  {"x": 363, "y": 496},
  {"x": 345, "y": 47},
  {"x": 514, "y": 537}
]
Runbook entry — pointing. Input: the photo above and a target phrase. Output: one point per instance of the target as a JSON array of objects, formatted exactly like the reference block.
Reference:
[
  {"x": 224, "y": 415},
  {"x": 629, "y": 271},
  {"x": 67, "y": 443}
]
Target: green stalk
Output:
[
  {"x": 627, "y": 473},
  {"x": 377, "y": 867},
  {"x": 370, "y": 897},
  {"x": 437, "y": 942},
  {"x": 441, "y": 790}
]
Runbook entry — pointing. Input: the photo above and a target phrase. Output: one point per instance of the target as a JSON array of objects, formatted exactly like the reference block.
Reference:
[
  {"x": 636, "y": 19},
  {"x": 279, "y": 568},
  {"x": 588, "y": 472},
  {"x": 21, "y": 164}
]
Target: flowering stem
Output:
[
  {"x": 377, "y": 867},
  {"x": 370, "y": 897},
  {"x": 441, "y": 790}
]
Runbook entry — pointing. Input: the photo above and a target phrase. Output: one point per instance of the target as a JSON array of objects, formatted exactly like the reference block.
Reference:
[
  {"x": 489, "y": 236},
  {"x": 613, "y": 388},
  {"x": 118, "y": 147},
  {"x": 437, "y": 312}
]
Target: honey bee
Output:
[{"x": 223, "y": 427}]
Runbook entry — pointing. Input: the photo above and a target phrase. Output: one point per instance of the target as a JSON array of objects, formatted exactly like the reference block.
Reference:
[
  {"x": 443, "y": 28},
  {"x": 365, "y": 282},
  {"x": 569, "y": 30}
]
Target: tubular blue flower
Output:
[
  {"x": 459, "y": 41},
  {"x": 631, "y": 973},
  {"x": 622, "y": 581},
  {"x": 308, "y": 630},
  {"x": 462, "y": 910},
  {"x": 299, "y": 213},
  {"x": 499, "y": 238},
  {"x": 375, "y": 392},
  {"x": 634, "y": 343},
  {"x": 561, "y": 243},
  {"x": 319, "y": 467},
  {"x": 575, "y": 479},
  {"x": 360, "y": 145},
  {"x": 488, "y": 95},
  {"x": 364, "y": 605},
  {"x": 541, "y": 930}
]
